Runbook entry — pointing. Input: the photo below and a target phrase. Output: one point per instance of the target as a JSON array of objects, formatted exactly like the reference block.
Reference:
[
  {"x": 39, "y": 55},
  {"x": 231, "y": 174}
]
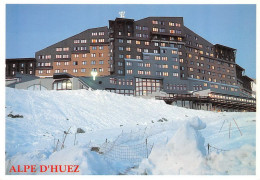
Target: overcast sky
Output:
[{"x": 30, "y": 28}]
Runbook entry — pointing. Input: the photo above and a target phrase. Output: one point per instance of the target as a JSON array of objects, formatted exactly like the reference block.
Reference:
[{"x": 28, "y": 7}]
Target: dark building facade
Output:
[
  {"x": 76, "y": 55},
  {"x": 140, "y": 57},
  {"x": 20, "y": 65}
]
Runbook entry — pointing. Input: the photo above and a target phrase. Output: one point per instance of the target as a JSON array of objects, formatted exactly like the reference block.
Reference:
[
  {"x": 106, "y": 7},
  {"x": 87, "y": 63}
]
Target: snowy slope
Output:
[{"x": 179, "y": 136}]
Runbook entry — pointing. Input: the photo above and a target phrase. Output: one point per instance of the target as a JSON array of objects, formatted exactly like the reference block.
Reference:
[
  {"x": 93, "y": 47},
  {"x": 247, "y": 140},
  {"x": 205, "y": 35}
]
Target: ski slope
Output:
[{"x": 178, "y": 137}]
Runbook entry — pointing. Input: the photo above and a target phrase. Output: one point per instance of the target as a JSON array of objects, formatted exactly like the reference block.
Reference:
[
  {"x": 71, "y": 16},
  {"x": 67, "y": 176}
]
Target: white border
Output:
[{"x": 2, "y": 75}]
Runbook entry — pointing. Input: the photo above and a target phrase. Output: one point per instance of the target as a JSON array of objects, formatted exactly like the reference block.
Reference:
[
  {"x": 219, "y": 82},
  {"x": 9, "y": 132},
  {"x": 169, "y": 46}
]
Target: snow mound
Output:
[
  {"x": 186, "y": 146},
  {"x": 236, "y": 162},
  {"x": 185, "y": 153}
]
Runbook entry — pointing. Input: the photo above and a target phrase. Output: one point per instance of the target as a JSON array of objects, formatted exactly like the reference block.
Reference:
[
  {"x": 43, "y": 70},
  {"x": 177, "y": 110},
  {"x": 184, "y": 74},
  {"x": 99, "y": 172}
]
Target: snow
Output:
[{"x": 177, "y": 137}]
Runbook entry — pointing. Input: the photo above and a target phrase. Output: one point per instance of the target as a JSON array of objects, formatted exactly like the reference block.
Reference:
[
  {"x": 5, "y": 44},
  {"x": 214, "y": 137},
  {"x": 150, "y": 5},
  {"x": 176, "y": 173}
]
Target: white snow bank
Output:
[
  {"x": 89, "y": 162},
  {"x": 236, "y": 162},
  {"x": 185, "y": 154},
  {"x": 177, "y": 134}
]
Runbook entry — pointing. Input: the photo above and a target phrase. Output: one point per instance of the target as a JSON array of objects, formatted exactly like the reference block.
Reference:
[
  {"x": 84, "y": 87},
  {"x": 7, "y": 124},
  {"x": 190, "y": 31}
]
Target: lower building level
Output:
[{"x": 189, "y": 93}]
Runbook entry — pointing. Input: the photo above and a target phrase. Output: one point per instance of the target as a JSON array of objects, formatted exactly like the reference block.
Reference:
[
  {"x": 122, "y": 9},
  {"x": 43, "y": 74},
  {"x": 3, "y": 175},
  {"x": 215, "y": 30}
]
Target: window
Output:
[
  {"x": 40, "y": 71},
  {"x": 174, "y": 52},
  {"x": 165, "y": 66},
  {"x": 101, "y": 70},
  {"x": 129, "y": 63},
  {"x": 178, "y": 24},
  {"x": 140, "y": 72},
  {"x": 58, "y": 63},
  {"x": 128, "y": 41},
  {"x": 83, "y": 70},
  {"x": 147, "y": 65},
  {"x": 158, "y": 73},
  {"x": 93, "y": 54},
  {"x": 138, "y": 57},
  {"x": 146, "y": 43},
  {"x": 175, "y": 74},
  {"x": 155, "y": 29},
  {"x": 163, "y": 44},
  {"x": 58, "y": 56},
  {"x": 94, "y": 33},
  {"x": 119, "y": 63},
  {"x": 138, "y": 27},
  {"x": 163, "y": 51},
  {"x": 120, "y": 40},
  {"x": 83, "y": 41},
  {"x": 155, "y": 22},
  {"x": 145, "y": 28},
  {"x": 58, "y": 49},
  {"x": 121, "y": 56},
  {"x": 156, "y": 44},
  {"x": 94, "y": 40},
  {"x": 128, "y": 56},
  {"x": 76, "y": 55},
  {"x": 172, "y": 31},
  {"x": 161, "y": 30},
  {"x": 101, "y": 55},
  {"x": 57, "y": 71},
  {"x": 157, "y": 58},
  {"x": 165, "y": 74},
  {"x": 101, "y": 40},
  {"x": 101, "y": 33},
  {"x": 145, "y": 36},
  {"x": 147, "y": 72},
  {"x": 128, "y": 49},
  {"x": 174, "y": 59},
  {"x": 65, "y": 56},
  {"x": 66, "y": 63},
  {"x": 140, "y": 64},
  {"x": 120, "y": 48},
  {"x": 66, "y": 49},
  {"x": 138, "y": 42},
  {"x": 62, "y": 85},
  {"x": 93, "y": 62},
  {"x": 101, "y": 62},
  {"x": 178, "y": 32},
  {"x": 164, "y": 58},
  {"x": 76, "y": 41},
  {"x": 179, "y": 38},
  {"x": 171, "y": 23},
  {"x": 176, "y": 67},
  {"x": 129, "y": 71}
]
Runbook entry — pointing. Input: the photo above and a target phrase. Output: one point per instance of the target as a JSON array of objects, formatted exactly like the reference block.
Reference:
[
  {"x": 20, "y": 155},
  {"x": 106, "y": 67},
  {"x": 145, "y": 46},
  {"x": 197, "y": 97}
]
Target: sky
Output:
[{"x": 30, "y": 28}]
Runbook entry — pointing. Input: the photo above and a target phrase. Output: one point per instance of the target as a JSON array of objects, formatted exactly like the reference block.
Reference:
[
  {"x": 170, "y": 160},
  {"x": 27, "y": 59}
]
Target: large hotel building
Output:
[{"x": 139, "y": 57}]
